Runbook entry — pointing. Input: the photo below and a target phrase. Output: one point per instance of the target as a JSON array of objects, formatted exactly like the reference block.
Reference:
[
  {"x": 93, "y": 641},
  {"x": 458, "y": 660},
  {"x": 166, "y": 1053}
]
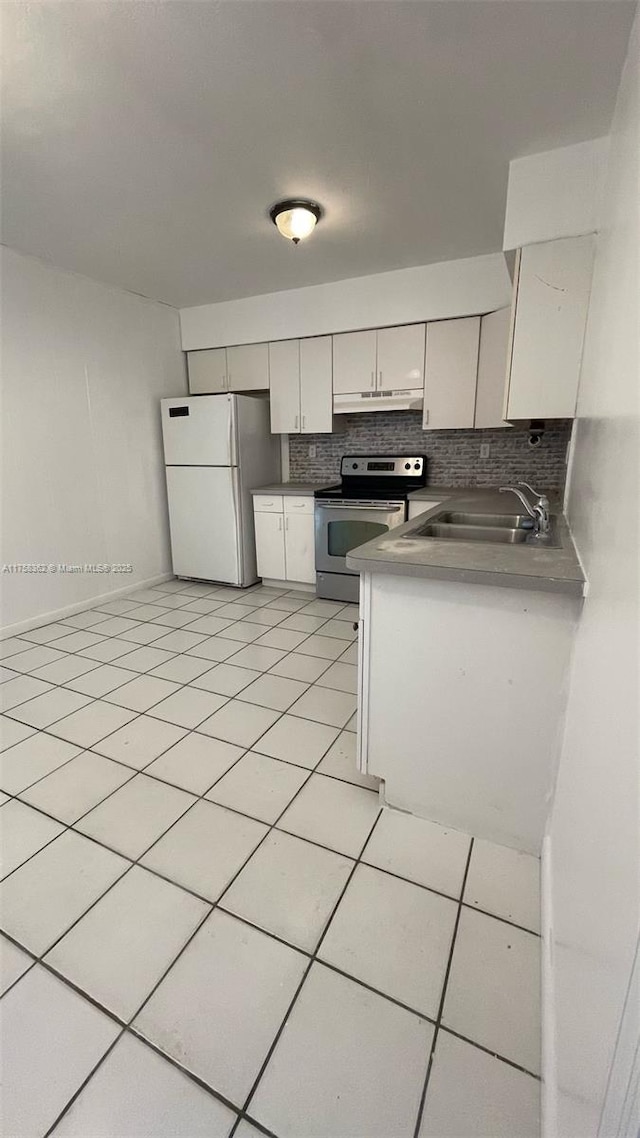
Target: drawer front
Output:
[
  {"x": 267, "y": 503},
  {"x": 295, "y": 505}
]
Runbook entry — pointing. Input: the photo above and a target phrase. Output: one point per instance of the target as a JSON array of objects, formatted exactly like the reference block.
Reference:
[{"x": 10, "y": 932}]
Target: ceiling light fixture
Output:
[{"x": 295, "y": 218}]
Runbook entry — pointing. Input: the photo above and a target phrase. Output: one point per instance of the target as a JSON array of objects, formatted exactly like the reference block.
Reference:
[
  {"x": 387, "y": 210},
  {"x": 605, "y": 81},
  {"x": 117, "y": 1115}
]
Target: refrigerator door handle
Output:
[
  {"x": 237, "y": 511},
  {"x": 233, "y": 449}
]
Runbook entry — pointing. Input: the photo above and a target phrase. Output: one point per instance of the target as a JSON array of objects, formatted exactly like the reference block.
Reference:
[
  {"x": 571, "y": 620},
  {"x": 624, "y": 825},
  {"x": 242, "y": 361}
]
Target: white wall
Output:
[
  {"x": 557, "y": 193},
  {"x": 594, "y": 850},
  {"x": 406, "y": 296},
  {"x": 83, "y": 368}
]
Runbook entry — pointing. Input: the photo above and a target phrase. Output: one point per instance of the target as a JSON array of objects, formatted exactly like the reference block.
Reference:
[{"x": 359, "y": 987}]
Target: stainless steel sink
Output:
[
  {"x": 499, "y": 534},
  {"x": 506, "y": 521},
  {"x": 497, "y": 529}
]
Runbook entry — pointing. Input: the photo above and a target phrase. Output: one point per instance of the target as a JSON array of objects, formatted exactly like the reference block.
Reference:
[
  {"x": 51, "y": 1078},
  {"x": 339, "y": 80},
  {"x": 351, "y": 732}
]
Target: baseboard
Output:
[
  {"x": 549, "y": 1104},
  {"x": 87, "y": 603}
]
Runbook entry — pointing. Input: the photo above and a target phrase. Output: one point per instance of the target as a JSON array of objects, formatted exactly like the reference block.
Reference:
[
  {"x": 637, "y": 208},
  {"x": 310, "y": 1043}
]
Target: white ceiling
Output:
[{"x": 143, "y": 142}]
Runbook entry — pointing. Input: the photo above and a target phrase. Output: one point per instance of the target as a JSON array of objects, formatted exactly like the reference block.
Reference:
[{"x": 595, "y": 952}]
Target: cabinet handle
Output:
[
  {"x": 373, "y": 378},
  {"x": 426, "y": 416},
  {"x": 286, "y": 523},
  {"x": 380, "y": 378},
  {"x": 280, "y": 525},
  {"x": 295, "y": 425},
  {"x": 304, "y": 422}
]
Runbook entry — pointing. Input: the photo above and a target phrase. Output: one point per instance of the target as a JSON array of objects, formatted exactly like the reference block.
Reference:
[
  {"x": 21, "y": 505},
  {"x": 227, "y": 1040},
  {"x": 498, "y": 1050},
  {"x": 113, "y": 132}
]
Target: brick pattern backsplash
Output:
[{"x": 453, "y": 456}]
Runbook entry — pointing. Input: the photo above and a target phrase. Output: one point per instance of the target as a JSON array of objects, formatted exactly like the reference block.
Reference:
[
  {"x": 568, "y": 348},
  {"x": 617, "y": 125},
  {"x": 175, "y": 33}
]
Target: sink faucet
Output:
[{"x": 539, "y": 511}]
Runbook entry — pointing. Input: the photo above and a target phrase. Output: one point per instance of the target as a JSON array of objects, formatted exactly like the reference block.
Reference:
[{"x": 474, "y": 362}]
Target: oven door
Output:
[{"x": 342, "y": 526}]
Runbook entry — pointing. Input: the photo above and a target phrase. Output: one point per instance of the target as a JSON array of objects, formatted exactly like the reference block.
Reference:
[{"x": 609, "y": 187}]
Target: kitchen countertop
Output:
[
  {"x": 554, "y": 570},
  {"x": 296, "y": 488}
]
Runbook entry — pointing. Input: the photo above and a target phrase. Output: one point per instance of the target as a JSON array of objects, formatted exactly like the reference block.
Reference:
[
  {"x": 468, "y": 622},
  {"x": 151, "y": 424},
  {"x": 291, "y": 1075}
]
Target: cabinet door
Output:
[
  {"x": 284, "y": 386},
  {"x": 248, "y": 367},
  {"x": 451, "y": 367},
  {"x": 354, "y": 362},
  {"x": 300, "y": 547},
  {"x": 400, "y": 357},
  {"x": 551, "y": 301},
  {"x": 316, "y": 389},
  {"x": 207, "y": 371},
  {"x": 492, "y": 368},
  {"x": 270, "y": 545}
]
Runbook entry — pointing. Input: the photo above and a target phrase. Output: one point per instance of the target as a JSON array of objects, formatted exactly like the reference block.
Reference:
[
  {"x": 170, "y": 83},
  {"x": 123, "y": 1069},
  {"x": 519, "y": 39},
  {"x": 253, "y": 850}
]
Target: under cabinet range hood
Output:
[{"x": 404, "y": 400}]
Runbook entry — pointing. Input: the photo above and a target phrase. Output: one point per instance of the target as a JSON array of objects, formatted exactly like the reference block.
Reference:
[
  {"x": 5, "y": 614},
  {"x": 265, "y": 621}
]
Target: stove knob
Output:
[
  {"x": 407, "y": 466},
  {"x": 354, "y": 465},
  {"x": 417, "y": 466}
]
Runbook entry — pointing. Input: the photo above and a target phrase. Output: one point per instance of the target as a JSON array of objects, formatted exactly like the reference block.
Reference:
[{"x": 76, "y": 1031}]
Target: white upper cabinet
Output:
[
  {"x": 354, "y": 362},
  {"x": 400, "y": 357},
  {"x": 248, "y": 367},
  {"x": 207, "y": 371},
  {"x": 381, "y": 359},
  {"x": 492, "y": 368},
  {"x": 300, "y": 386},
  {"x": 551, "y": 298},
  {"x": 451, "y": 367},
  {"x": 316, "y": 387},
  {"x": 284, "y": 369},
  {"x": 242, "y": 368}
]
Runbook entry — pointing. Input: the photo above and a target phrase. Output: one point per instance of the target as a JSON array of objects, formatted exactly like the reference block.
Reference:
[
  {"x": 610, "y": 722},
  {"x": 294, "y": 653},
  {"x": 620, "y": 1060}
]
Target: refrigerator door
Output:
[
  {"x": 200, "y": 430},
  {"x": 204, "y": 522}
]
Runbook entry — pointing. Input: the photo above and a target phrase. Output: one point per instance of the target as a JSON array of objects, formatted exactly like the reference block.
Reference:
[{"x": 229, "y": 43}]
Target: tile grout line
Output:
[
  {"x": 243, "y": 1112},
  {"x": 234, "y": 810},
  {"x": 180, "y": 686},
  {"x": 138, "y": 771},
  {"x": 312, "y": 960},
  {"x": 136, "y": 861},
  {"x": 137, "y": 714},
  {"x": 83, "y": 1084},
  {"x": 443, "y": 995},
  {"x": 211, "y": 909},
  {"x": 206, "y": 916}
]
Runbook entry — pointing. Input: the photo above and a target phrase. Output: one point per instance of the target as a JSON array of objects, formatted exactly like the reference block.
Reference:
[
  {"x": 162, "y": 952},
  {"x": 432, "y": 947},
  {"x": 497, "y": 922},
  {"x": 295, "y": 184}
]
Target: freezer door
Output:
[
  {"x": 204, "y": 523},
  {"x": 199, "y": 430}
]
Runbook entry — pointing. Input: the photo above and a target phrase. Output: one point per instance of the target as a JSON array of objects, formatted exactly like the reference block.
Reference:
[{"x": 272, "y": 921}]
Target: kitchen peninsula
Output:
[{"x": 464, "y": 657}]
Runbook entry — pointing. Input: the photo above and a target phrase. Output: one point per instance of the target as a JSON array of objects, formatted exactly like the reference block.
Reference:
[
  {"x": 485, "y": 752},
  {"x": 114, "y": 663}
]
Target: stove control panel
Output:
[{"x": 382, "y": 466}]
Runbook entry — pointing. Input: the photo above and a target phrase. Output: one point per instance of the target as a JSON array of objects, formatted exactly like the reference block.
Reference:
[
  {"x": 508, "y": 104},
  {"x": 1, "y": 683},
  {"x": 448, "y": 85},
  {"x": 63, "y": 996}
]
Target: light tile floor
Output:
[{"x": 212, "y": 926}]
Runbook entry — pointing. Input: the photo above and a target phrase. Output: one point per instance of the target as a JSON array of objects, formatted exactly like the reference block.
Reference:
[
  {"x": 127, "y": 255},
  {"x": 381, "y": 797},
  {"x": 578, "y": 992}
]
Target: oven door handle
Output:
[{"x": 379, "y": 507}]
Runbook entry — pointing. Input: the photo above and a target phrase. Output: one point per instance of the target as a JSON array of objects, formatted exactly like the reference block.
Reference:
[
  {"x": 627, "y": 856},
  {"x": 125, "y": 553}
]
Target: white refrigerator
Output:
[{"x": 217, "y": 448}]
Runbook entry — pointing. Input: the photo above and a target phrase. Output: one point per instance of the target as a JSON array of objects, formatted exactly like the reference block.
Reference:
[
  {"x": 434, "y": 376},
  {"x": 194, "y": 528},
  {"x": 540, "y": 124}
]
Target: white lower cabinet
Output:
[
  {"x": 473, "y": 660},
  {"x": 285, "y": 540},
  {"x": 270, "y": 545},
  {"x": 299, "y": 538}
]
